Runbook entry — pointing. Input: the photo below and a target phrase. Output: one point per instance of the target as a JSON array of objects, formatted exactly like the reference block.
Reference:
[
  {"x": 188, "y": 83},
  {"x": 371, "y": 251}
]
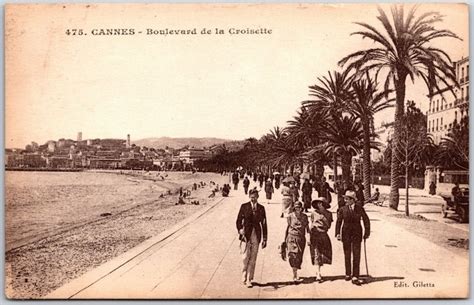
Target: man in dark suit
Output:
[
  {"x": 252, "y": 227},
  {"x": 349, "y": 216}
]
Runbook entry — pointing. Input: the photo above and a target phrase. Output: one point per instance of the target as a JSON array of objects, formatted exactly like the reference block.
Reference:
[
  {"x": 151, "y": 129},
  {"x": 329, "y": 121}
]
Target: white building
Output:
[
  {"x": 445, "y": 108},
  {"x": 190, "y": 155}
]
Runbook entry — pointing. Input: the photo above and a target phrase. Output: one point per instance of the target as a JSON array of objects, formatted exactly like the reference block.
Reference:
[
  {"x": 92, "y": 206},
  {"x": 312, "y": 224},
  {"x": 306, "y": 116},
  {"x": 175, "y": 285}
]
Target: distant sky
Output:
[{"x": 222, "y": 86}]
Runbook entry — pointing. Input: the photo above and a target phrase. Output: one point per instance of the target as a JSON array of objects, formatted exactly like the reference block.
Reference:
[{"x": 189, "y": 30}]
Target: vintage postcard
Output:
[{"x": 237, "y": 151}]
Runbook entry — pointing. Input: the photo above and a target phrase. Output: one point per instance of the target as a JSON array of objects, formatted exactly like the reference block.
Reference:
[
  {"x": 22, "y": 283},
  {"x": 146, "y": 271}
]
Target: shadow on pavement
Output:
[
  {"x": 277, "y": 285},
  {"x": 370, "y": 279}
]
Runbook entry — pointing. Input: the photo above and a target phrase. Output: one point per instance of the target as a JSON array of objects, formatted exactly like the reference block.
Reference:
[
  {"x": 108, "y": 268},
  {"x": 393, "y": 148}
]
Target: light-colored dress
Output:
[{"x": 287, "y": 201}]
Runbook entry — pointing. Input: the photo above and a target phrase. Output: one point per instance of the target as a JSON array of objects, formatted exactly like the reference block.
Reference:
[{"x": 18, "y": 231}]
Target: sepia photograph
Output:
[{"x": 236, "y": 151}]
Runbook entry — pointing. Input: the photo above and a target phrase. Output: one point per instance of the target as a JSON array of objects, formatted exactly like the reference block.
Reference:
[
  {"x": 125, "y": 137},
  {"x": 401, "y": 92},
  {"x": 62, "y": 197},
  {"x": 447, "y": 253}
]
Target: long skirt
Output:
[
  {"x": 307, "y": 200},
  {"x": 295, "y": 248},
  {"x": 321, "y": 248},
  {"x": 287, "y": 204},
  {"x": 269, "y": 195}
]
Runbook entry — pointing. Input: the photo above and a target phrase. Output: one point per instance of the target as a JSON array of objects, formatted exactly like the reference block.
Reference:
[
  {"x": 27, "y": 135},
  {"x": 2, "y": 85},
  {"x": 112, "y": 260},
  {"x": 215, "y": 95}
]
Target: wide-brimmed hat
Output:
[
  {"x": 322, "y": 200},
  {"x": 350, "y": 194},
  {"x": 288, "y": 179},
  {"x": 298, "y": 204},
  {"x": 253, "y": 191}
]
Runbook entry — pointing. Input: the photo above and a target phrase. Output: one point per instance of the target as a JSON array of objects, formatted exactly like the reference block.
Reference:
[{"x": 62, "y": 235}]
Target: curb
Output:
[{"x": 77, "y": 285}]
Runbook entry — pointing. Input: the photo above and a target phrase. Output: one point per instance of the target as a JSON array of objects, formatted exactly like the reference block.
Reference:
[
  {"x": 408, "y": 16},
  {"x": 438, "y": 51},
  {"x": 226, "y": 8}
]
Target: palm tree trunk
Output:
[
  {"x": 366, "y": 162},
  {"x": 346, "y": 169},
  {"x": 319, "y": 169},
  {"x": 335, "y": 166},
  {"x": 395, "y": 165},
  {"x": 407, "y": 172}
]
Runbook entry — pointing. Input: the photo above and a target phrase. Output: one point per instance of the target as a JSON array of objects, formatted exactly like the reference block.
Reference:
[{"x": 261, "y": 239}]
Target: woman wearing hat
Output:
[
  {"x": 320, "y": 244},
  {"x": 295, "y": 238},
  {"x": 269, "y": 189}
]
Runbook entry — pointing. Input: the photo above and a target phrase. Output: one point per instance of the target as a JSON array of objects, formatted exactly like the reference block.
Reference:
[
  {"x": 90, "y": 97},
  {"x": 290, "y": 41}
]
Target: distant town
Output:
[{"x": 68, "y": 154}]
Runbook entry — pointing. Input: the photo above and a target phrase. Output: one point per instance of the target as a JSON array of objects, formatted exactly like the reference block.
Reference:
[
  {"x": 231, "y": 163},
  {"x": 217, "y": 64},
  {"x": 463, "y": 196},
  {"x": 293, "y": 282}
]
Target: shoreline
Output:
[{"x": 51, "y": 259}]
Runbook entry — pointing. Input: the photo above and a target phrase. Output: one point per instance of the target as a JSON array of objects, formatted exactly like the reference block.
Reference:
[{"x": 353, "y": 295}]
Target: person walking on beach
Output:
[
  {"x": 235, "y": 180},
  {"x": 295, "y": 237},
  {"x": 252, "y": 228},
  {"x": 320, "y": 244},
  {"x": 307, "y": 190},
  {"x": 349, "y": 218},
  {"x": 287, "y": 201},
  {"x": 269, "y": 189},
  {"x": 246, "y": 184}
]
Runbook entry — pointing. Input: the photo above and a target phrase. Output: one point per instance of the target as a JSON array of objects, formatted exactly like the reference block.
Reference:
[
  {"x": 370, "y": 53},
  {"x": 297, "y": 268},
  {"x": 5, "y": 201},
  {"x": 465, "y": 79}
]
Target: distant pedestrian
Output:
[
  {"x": 269, "y": 189},
  {"x": 320, "y": 244},
  {"x": 235, "y": 180},
  {"x": 307, "y": 190},
  {"x": 255, "y": 176},
  {"x": 277, "y": 181},
  {"x": 359, "y": 190},
  {"x": 260, "y": 179},
  {"x": 349, "y": 217},
  {"x": 324, "y": 190},
  {"x": 246, "y": 184},
  {"x": 252, "y": 228},
  {"x": 432, "y": 188},
  {"x": 287, "y": 201},
  {"x": 295, "y": 237},
  {"x": 225, "y": 190},
  {"x": 294, "y": 191}
]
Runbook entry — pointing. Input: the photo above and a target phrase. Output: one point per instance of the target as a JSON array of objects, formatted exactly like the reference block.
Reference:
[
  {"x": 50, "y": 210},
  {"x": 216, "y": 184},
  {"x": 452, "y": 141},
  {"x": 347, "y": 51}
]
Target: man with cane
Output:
[
  {"x": 252, "y": 227},
  {"x": 349, "y": 217}
]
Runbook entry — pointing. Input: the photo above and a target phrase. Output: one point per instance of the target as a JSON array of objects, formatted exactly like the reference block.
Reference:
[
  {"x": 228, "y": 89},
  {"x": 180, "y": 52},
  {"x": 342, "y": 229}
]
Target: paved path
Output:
[{"x": 202, "y": 260}]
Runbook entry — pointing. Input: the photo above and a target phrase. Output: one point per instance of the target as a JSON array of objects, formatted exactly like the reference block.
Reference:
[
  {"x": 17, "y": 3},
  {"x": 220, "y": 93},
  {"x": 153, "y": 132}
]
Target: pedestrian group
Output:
[{"x": 308, "y": 223}]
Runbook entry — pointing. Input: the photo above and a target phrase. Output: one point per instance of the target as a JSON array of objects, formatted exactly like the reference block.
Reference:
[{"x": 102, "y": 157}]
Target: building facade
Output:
[{"x": 445, "y": 108}]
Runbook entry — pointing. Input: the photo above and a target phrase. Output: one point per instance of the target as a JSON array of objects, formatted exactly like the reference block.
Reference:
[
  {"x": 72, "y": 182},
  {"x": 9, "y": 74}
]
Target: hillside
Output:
[{"x": 178, "y": 142}]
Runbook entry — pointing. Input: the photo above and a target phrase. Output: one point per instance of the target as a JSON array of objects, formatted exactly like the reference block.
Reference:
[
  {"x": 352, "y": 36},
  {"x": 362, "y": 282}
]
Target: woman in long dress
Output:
[
  {"x": 269, "y": 189},
  {"x": 287, "y": 201},
  {"x": 295, "y": 237},
  {"x": 320, "y": 244}
]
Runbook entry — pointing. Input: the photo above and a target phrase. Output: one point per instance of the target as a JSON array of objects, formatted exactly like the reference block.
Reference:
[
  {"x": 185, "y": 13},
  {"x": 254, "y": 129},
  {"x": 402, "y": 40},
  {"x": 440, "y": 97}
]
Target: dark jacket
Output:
[
  {"x": 249, "y": 220},
  {"x": 350, "y": 221},
  {"x": 246, "y": 182}
]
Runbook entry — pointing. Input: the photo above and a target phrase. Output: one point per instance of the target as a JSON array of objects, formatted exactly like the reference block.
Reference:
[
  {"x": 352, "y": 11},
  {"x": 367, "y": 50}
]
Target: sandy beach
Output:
[{"x": 60, "y": 225}]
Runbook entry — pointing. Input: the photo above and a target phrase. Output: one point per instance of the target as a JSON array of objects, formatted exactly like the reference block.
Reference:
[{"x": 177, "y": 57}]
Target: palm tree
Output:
[
  {"x": 305, "y": 131},
  {"x": 331, "y": 94},
  {"x": 453, "y": 149},
  {"x": 366, "y": 103},
  {"x": 344, "y": 136},
  {"x": 403, "y": 51}
]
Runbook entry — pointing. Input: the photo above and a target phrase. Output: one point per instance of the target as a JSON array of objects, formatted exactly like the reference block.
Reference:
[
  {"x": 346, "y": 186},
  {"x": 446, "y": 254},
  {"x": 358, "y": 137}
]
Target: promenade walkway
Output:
[{"x": 200, "y": 259}]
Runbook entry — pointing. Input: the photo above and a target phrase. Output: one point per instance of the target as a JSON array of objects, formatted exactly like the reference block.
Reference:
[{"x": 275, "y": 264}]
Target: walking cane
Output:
[{"x": 366, "y": 266}]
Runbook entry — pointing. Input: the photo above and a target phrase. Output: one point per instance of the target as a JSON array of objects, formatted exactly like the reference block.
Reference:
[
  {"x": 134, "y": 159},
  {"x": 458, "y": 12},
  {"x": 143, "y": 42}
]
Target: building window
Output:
[
  {"x": 436, "y": 124},
  {"x": 467, "y": 93},
  {"x": 455, "y": 115},
  {"x": 441, "y": 127},
  {"x": 462, "y": 74},
  {"x": 429, "y": 125},
  {"x": 437, "y": 105}
]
